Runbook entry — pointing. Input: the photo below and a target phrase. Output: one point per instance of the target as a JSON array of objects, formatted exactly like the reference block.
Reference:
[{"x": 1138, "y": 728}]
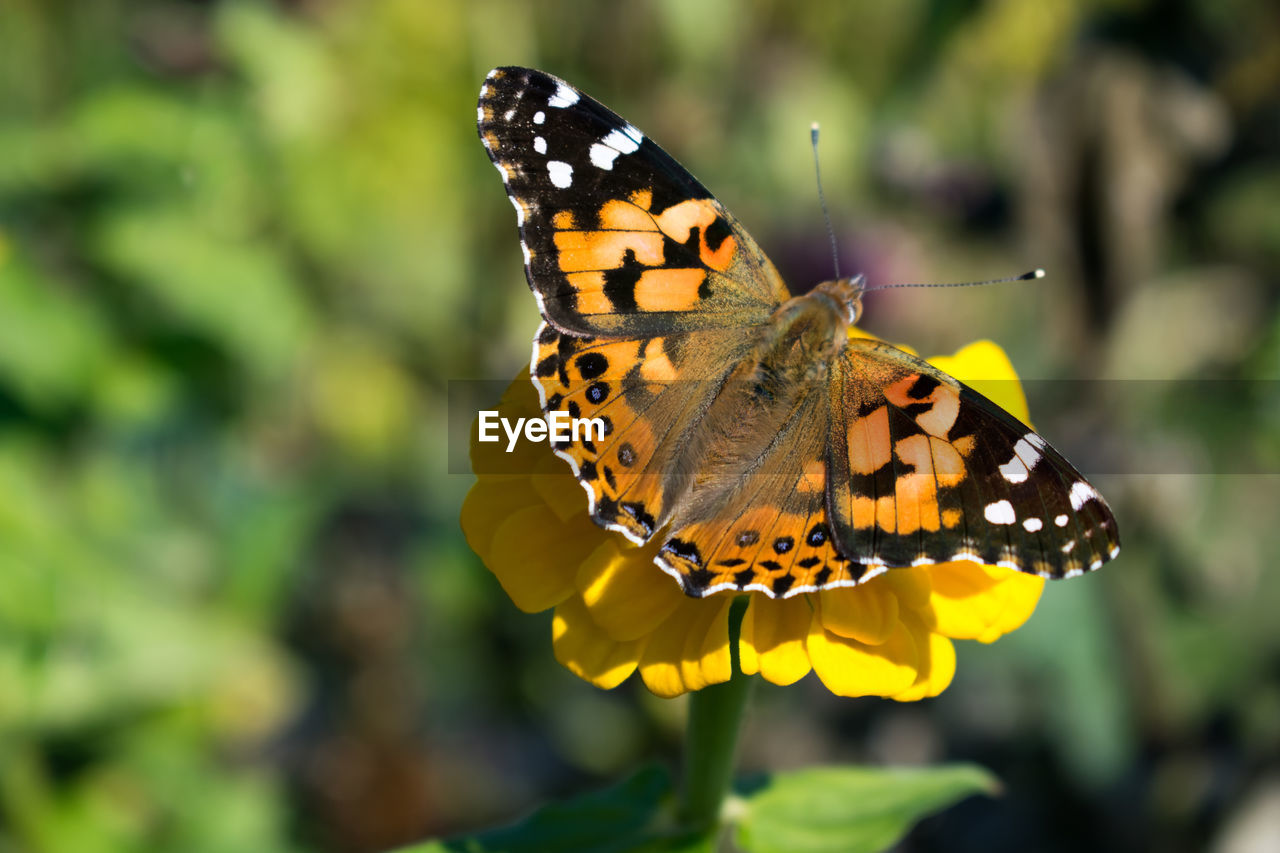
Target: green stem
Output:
[{"x": 715, "y": 715}]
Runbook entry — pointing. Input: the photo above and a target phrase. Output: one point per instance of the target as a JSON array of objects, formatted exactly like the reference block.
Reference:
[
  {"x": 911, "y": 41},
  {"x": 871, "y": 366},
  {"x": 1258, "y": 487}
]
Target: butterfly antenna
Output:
[
  {"x": 1026, "y": 276},
  {"x": 817, "y": 171}
]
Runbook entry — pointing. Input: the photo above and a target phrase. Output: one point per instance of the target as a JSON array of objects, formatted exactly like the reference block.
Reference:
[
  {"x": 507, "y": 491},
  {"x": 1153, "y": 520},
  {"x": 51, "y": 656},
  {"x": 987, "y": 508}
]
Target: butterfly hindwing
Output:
[
  {"x": 618, "y": 238},
  {"x": 769, "y": 532},
  {"x": 648, "y": 393}
]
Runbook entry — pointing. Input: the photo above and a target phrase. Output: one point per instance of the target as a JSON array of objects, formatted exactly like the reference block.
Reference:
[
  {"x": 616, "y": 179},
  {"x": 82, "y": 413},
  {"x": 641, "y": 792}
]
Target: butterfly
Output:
[{"x": 744, "y": 429}]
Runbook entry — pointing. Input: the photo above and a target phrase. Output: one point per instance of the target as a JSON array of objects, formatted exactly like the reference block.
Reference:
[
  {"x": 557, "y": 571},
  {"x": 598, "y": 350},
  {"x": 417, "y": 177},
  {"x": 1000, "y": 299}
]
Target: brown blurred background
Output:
[{"x": 244, "y": 246}]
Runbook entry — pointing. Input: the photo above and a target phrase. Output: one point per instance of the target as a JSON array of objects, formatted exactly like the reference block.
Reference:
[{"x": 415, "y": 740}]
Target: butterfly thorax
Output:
[{"x": 807, "y": 332}]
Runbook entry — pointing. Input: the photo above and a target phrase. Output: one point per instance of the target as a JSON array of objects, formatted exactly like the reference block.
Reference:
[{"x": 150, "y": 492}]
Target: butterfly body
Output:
[{"x": 748, "y": 433}]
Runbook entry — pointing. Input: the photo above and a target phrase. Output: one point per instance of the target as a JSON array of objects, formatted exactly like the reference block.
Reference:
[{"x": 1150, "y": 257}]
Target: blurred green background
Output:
[{"x": 244, "y": 246}]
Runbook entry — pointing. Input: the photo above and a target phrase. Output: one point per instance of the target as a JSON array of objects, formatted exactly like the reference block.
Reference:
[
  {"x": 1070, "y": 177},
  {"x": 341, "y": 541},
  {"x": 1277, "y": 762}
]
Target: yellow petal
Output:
[
  {"x": 972, "y": 602},
  {"x": 553, "y": 480},
  {"x": 520, "y": 400},
  {"x": 587, "y": 651},
  {"x": 772, "y": 642},
  {"x": 937, "y": 668},
  {"x": 491, "y": 501},
  {"x": 910, "y": 586},
  {"x": 850, "y": 668},
  {"x": 536, "y": 557},
  {"x": 628, "y": 595},
  {"x": 985, "y": 367},
  {"x": 867, "y": 613},
  {"x": 690, "y": 649}
]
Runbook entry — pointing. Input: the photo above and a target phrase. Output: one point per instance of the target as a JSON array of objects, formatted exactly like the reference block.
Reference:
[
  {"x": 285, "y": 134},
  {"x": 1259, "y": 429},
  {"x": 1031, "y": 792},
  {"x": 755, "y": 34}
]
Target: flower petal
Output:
[
  {"x": 867, "y": 613},
  {"x": 984, "y": 366},
  {"x": 555, "y": 484},
  {"x": 937, "y": 666},
  {"x": 972, "y": 602},
  {"x": 850, "y": 668},
  {"x": 490, "y": 458},
  {"x": 535, "y": 556},
  {"x": 628, "y": 595},
  {"x": 690, "y": 649},
  {"x": 488, "y": 504},
  {"x": 772, "y": 642},
  {"x": 587, "y": 651}
]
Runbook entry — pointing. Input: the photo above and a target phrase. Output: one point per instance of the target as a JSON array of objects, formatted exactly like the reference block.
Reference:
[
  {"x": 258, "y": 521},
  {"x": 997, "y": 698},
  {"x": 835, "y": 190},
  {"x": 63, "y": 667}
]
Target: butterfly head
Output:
[{"x": 845, "y": 295}]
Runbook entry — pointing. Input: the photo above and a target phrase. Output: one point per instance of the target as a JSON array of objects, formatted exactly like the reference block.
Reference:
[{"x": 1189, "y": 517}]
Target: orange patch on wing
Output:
[
  {"x": 887, "y": 514},
  {"x": 917, "y": 492},
  {"x": 669, "y": 289},
  {"x": 964, "y": 444},
  {"x": 863, "y": 512},
  {"x": 814, "y": 477},
  {"x": 564, "y": 221},
  {"x": 948, "y": 465},
  {"x": 581, "y": 251},
  {"x": 679, "y": 220},
  {"x": 942, "y": 417},
  {"x": 656, "y": 367},
  {"x": 619, "y": 215},
  {"x": 944, "y": 404},
  {"x": 589, "y": 288},
  {"x": 951, "y": 517},
  {"x": 642, "y": 199},
  {"x": 868, "y": 442}
]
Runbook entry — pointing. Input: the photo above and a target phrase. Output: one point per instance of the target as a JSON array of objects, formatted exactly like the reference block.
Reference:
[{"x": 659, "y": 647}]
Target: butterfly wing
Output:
[
  {"x": 649, "y": 395},
  {"x": 619, "y": 239},
  {"x": 923, "y": 469},
  {"x": 767, "y": 530},
  {"x": 645, "y": 282}
]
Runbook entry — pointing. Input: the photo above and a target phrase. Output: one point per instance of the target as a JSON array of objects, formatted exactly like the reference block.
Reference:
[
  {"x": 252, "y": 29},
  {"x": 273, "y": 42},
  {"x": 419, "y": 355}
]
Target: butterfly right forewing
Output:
[{"x": 926, "y": 470}]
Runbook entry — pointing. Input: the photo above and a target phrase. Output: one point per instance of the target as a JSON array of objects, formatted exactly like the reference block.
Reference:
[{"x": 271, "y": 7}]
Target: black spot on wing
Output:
[
  {"x": 620, "y": 283},
  {"x": 591, "y": 364}
]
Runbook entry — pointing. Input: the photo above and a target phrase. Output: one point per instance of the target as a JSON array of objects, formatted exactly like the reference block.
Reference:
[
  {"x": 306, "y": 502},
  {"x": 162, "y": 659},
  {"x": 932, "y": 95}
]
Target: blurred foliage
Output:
[{"x": 244, "y": 246}]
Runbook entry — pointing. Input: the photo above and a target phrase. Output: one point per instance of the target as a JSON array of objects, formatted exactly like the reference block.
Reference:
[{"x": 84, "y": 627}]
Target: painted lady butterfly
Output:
[{"x": 762, "y": 445}]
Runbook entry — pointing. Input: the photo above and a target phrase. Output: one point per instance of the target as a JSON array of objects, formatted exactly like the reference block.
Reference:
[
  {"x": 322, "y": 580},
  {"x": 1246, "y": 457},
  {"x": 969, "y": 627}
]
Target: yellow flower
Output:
[{"x": 616, "y": 612}]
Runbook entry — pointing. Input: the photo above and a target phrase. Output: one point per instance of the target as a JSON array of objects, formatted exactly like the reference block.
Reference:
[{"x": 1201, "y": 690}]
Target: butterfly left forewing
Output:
[
  {"x": 924, "y": 469},
  {"x": 619, "y": 239}
]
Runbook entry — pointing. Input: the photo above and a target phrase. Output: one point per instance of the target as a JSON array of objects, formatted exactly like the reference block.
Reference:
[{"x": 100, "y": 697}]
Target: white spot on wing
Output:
[
  {"x": 1000, "y": 512},
  {"x": 1114, "y": 551},
  {"x": 479, "y": 113},
  {"x": 1035, "y": 441},
  {"x": 1061, "y": 521},
  {"x": 602, "y": 156},
  {"x": 561, "y": 173},
  {"x": 539, "y": 117},
  {"x": 540, "y": 145},
  {"x": 509, "y": 114},
  {"x": 1027, "y": 451},
  {"x": 1081, "y": 493},
  {"x": 564, "y": 97},
  {"x": 1014, "y": 471},
  {"x": 622, "y": 141},
  {"x": 1031, "y": 525},
  {"x": 1066, "y": 549}
]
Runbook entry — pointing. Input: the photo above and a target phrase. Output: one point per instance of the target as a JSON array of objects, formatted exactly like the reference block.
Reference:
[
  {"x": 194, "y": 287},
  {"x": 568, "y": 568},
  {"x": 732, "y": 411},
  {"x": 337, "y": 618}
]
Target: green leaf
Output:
[
  {"x": 849, "y": 809},
  {"x": 620, "y": 818}
]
